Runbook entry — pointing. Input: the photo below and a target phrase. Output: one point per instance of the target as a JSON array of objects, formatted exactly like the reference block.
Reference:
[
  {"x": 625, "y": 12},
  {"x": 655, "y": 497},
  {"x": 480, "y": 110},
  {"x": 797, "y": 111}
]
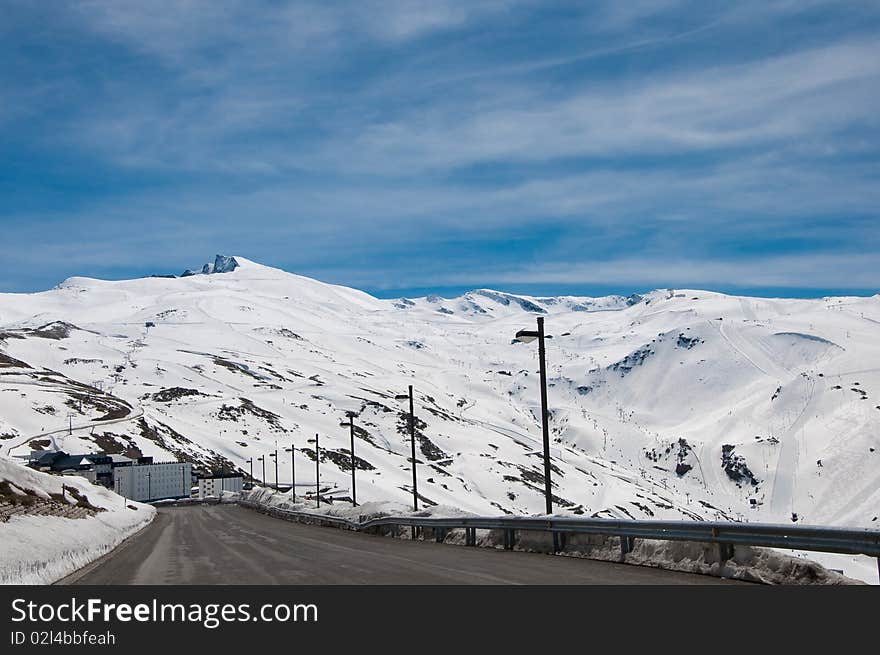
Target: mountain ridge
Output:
[{"x": 676, "y": 404}]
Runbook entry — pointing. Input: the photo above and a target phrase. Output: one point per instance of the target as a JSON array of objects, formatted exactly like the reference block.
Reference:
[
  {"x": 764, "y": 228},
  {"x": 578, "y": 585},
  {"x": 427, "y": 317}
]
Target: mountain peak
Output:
[{"x": 222, "y": 264}]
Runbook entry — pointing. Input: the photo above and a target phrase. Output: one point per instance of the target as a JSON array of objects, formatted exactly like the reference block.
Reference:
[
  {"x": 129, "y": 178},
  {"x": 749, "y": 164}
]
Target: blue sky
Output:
[{"x": 404, "y": 147}]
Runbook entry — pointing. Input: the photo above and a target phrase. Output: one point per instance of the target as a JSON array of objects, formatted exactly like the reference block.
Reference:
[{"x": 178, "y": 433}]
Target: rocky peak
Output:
[{"x": 222, "y": 264}]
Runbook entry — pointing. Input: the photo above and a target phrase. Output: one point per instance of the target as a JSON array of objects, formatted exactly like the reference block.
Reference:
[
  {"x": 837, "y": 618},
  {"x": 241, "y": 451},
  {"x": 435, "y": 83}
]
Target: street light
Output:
[
  {"x": 350, "y": 426},
  {"x": 292, "y": 452},
  {"x": 527, "y": 336},
  {"x": 317, "y": 470},
  {"x": 275, "y": 457},
  {"x": 262, "y": 458},
  {"x": 412, "y": 440}
]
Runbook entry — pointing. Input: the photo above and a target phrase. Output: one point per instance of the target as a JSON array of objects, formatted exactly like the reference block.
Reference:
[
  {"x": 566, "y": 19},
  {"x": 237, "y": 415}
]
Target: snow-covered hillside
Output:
[{"x": 674, "y": 404}]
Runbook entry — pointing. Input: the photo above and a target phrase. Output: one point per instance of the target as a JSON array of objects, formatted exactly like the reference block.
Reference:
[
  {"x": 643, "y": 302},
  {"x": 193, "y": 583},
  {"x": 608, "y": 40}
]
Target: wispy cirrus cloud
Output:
[
  {"x": 813, "y": 93},
  {"x": 445, "y": 141},
  {"x": 814, "y": 272}
]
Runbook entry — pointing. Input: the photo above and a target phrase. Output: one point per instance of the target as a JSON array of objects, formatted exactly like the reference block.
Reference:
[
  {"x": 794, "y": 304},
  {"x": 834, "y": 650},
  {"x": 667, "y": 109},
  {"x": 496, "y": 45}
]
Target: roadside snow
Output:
[
  {"x": 343, "y": 509},
  {"x": 42, "y": 549},
  {"x": 860, "y": 567}
]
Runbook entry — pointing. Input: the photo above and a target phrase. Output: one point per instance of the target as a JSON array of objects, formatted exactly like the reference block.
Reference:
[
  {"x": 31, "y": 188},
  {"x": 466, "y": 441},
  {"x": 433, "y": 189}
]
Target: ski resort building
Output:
[
  {"x": 212, "y": 486},
  {"x": 96, "y": 468},
  {"x": 148, "y": 482}
]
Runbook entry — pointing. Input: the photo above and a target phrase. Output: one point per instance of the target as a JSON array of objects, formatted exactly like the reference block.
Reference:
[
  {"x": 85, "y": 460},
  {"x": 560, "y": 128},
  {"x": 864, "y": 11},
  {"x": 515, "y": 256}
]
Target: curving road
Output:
[
  {"x": 7, "y": 448},
  {"x": 228, "y": 544}
]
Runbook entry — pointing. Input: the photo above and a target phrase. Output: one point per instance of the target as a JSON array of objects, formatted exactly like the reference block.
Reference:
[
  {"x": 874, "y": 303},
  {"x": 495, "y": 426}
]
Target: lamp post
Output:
[
  {"x": 527, "y": 336},
  {"x": 317, "y": 470},
  {"x": 275, "y": 457},
  {"x": 262, "y": 458},
  {"x": 350, "y": 425},
  {"x": 292, "y": 452},
  {"x": 412, "y": 441},
  {"x": 149, "y": 487}
]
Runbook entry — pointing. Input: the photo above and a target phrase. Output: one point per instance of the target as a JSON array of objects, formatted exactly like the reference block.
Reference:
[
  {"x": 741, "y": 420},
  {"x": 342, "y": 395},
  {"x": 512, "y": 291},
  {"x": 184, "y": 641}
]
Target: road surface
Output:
[{"x": 228, "y": 544}]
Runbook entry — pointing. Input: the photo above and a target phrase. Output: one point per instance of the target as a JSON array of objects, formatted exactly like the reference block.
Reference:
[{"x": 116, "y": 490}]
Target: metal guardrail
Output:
[
  {"x": 307, "y": 517},
  {"x": 801, "y": 537},
  {"x": 183, "y": 502},
  {"x": 726, "y": 535}
]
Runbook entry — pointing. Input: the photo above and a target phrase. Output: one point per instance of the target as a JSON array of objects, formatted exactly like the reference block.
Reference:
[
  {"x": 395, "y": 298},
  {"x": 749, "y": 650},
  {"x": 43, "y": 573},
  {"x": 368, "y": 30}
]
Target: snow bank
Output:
[
  {"x": 859, "y": 567},
  {"x": 42, "y": 549},
  {"x": 752, "y": 564},
  {"x": 344, "y": 510}
]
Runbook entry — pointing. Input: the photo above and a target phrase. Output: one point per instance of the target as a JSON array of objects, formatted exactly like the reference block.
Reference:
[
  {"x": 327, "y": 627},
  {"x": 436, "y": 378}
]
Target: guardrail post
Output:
[
  {"x": 626, "y": 545},
  {"x": 559, "y": 539},
  {"x": 470, "y": 536},
  {"x": 439, "y": 535},
  {"x": 508, "y": 539},
  {"x": 725, "y": 552}
]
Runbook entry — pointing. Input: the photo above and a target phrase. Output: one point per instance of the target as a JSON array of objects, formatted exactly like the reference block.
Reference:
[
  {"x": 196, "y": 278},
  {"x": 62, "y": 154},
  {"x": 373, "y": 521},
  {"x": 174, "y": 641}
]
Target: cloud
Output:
[
  {"x": 793, "y": 272},
  {"x": 811, "y": 93},
  {"x": 242, "y": 81},
  {"x": 635, "y": 229},
  {"x": 443, "y": 142}
]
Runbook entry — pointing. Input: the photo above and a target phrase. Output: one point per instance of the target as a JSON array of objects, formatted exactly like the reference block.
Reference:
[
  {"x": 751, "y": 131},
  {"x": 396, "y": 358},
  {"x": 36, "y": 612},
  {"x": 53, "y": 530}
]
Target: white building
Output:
[
  {"x": 147, "y": 482},
  {"x": 214, "y": 485}
]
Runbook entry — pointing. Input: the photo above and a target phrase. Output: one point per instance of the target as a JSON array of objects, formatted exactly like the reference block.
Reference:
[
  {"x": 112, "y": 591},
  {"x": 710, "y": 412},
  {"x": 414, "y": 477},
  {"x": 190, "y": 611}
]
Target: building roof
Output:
[
  {"x": 61, "y": 460},
  {"x": 47, "y": 458}
]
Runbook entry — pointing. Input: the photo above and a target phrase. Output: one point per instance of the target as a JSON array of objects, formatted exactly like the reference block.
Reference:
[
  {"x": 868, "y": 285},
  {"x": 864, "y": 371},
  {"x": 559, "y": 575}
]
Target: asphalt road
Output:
[{"x": 228, "y": 544}]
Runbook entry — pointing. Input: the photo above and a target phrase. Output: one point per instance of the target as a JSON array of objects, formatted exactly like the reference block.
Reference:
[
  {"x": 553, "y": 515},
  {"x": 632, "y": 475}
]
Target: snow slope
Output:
[
  {"x": 673, "y": 404},
  {"x": 41, "y": 548}
]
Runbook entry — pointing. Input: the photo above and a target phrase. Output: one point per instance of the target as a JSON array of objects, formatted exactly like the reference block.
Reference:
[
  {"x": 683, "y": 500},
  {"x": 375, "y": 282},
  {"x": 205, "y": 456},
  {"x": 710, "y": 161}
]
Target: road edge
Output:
[{"x": 71, "y": 578}]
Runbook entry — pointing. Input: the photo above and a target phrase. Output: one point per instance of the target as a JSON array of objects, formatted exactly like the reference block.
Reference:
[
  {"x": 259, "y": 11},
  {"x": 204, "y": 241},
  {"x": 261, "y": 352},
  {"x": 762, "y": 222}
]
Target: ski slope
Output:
[{"x": 676, "y": 404}]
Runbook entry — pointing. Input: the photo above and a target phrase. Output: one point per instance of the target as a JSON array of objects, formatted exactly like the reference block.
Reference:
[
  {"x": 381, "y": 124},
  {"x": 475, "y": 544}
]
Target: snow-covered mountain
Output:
[{"x": 670, "y": 404}]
